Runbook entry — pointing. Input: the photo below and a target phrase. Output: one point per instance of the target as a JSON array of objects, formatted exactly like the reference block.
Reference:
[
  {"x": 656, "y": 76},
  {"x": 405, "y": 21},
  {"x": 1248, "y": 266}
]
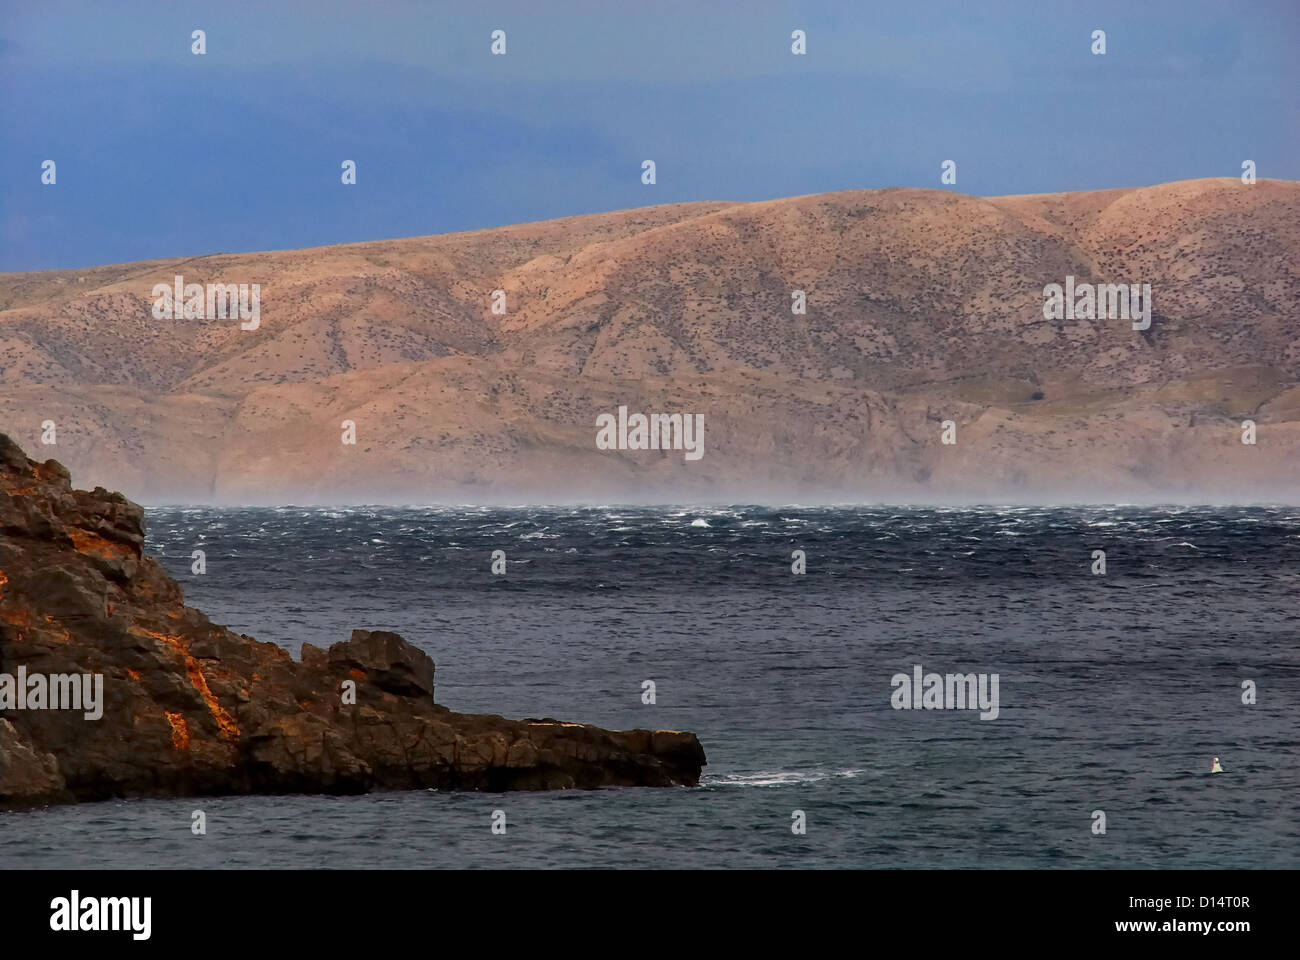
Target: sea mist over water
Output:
[{"x": 1115, "y": 690}]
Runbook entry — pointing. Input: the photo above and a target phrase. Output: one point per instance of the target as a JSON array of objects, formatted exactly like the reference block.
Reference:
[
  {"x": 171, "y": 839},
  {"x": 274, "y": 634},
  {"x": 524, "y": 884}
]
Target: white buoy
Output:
[{"x": 1216, "y": 768}]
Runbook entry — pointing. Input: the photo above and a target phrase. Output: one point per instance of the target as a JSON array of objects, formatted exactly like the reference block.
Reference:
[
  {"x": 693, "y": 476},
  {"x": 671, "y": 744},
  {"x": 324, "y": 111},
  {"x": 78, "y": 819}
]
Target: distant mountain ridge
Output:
[{"x": 922, "y": 307}]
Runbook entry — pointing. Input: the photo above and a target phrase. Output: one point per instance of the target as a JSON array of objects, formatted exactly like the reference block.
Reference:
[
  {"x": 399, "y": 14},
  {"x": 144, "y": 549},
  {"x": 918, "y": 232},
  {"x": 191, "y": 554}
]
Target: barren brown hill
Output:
[{"x": 922, "y": 306}]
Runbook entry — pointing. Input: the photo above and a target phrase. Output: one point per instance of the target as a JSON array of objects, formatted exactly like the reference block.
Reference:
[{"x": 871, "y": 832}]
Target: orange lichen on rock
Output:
[
  {"x": 87, "y": 542},
  {"x": 180, "y": 729},
  {"x": 67, "y": 635},
  {"x": 16, "y": 616},
  {"x": 174, "y": 641},
  {"x": 225, "y": 722}
]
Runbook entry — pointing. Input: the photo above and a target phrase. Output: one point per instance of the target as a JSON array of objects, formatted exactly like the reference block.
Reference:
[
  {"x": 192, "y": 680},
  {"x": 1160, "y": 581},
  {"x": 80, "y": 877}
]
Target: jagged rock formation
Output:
[
  {"x": 922, "y": 306},
  {"x": 188, "y": 707}
]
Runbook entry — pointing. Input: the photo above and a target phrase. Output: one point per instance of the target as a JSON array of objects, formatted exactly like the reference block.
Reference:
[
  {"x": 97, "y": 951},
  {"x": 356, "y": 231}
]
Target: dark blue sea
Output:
[{"x": 1116, "y": 691}]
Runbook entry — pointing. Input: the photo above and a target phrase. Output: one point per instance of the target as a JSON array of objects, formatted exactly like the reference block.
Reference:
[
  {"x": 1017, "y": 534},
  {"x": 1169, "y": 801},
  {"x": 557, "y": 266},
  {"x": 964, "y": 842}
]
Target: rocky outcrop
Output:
[{"x": 188, "y": 707}]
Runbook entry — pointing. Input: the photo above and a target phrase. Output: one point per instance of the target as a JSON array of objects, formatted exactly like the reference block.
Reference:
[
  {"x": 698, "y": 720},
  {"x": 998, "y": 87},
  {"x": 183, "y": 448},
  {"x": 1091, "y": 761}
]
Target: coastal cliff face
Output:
[{"x": 187, "y": 707}]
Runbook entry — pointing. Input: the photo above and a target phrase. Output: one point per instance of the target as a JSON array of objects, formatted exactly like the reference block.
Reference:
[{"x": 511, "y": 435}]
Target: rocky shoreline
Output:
[{"x": 191, "y": 708}]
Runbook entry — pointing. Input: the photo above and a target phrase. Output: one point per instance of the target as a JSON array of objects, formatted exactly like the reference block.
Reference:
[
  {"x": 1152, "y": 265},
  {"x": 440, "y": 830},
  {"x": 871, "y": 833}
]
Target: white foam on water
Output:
[{"x": 776, "y": 778}]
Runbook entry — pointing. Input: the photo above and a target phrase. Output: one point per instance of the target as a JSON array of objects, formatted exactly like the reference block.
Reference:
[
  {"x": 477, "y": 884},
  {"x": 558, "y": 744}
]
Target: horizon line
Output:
[{"x": 652, "y": 206}]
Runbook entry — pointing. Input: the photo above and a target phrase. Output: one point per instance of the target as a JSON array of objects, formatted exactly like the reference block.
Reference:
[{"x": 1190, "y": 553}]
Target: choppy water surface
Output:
[{"x": 1114, "y": 691}]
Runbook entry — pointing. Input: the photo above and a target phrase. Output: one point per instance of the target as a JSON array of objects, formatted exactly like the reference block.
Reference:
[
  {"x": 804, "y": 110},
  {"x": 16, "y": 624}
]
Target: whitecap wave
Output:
[{"x": 776, "y": 778}]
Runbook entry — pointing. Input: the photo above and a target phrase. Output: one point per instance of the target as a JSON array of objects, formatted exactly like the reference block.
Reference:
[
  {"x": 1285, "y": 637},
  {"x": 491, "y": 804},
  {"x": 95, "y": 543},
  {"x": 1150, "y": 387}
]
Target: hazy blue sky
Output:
[{"x": 163, "y": 153}]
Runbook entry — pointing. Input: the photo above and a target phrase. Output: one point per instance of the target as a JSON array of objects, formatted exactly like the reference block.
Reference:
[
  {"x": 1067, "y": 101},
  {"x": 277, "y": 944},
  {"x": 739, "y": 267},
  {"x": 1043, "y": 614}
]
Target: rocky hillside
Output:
[
  {"x": 922, "y": 306},
  {"x": 187, "y": 707}
]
